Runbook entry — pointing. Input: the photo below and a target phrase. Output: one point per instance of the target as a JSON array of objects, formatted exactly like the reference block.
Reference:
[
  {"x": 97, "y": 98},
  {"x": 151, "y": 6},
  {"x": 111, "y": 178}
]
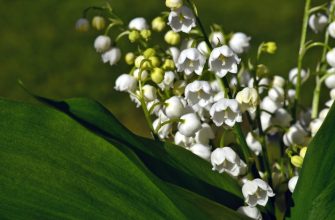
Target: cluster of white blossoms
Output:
[{"x": 197, "y": 92}]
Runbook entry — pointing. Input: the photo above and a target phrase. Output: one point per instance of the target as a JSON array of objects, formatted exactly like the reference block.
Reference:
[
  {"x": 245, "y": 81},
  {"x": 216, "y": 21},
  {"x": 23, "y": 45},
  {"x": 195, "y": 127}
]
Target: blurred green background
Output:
[{"x": 39, "y": 45}]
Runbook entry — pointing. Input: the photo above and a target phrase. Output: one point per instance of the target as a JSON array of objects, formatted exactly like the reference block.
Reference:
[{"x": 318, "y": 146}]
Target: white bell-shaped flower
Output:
[
  {"x": 248, "y": 99},
  {"x": 317, "y": 22},
  {"x": 291, "y": 95},
  {"x": 174, "y": 52},
  {"x": 125, "y": 83},
  {"x": 281, "y": 118},
  {"x": 253, "y": 144},
  {"x": 269, "y": 105},
  {"x": 226, "y": 160},
  {"x": 256, "y": 192},
  {"x": 216, "y": 38},
  {"x": 265, "y": 120},
  {"x": 223, "y": 60},
  {"x": 138, "y": 24},
  {"x": 182, "y": 19},
  {"x": 315, "y": 125},
  {"x": 239, "y": 42},
  {"x": 323, "y": 113},
  {"x": 191, "y": 60},
  {"x": 295, "y": 135},
  {"x": 204, "y": 49},
  {"x": 190, "y": 124},
  {"x": 198, "y": 92},
  {"x": 202, "y": 151},
  {"x": 182, "y": 140},
  {"x": 331, "y": 29},
  {"x": 292, "y": 183},
  {"x": 112, "y": 56},
  {"x": 205, "y": 134},
  {"x": 102, "y": 43},
  {"x": 330, "y": 56},
  {"x": 293, "y": 76},
  {"x": 174, "y": 107},
  {"x": 278, "y": 81},
  {"x": 277, "y": 94},
  {"x": 168, "y": 80},
  {"x": 330, "y": 81},
  {"x": 251, "y": 212},
  {"x": 149, "y": 92},
  {"x": 226, "y": 111}
]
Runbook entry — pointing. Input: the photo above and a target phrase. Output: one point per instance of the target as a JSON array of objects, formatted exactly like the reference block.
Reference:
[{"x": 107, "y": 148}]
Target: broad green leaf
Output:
[
  {"x": 51, "y": 167},
  {"x": 170, "y": 162},
  {"x": 314, "y": 195}
]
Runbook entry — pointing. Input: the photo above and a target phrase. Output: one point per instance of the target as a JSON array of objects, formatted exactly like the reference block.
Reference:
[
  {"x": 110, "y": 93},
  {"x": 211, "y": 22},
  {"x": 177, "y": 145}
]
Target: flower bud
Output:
[
  {"x": 317, "y": 22},
  {"x": 292, "y": 183},
  {"x": 157, "y": 75},
  {"x": 82, "y": 25},
  {"x": 174, "y": 4},
  {"x": 190, "y": 124},
  {"x": 201, "y": 150},
  {"x": 179, "y": 87},
  {"x": 331, "y": 29},
  {"x": 149, "y": 52},
  {"x": 269, "y": 47},
  {"x": 130, "y": 58},
  {"x": 216, "y": 38},
  {"x": 140, "y": 74},
  {"x": 302, "y": 152},
  {"x": 158, "y": 24},
  {"x": 331, "y": 57},
  {"x": 145, "y": 34},
  {"x": 278, "y": 81},
  {"x": 315, "y": 126},
  {"x": 174, "y": 107},
  {"x": 102, "y": 43},
  {"x": 98, "y": 23},
  {"x": 239, "y": 42},
  {"x": 149, "y": 92},
  {"x": 112, "y": 56},
  {"x": 134, "y": 36},
  {"x": 297, "y": 161},
  {"x": 293, "y": 76},
  {"x": 262, "y": 70},
  {"x": 125, "y": 83},
  {"x": 251, "y": 212},
  {"x": 138, "y": 24},
  {"x": 172, "y": 38},
  {"x": 155, "y": 61},
  {"x": 141, "y": 63},
  {"x": 204, "y": 49},
  {"x": 168, "y": 65},
  {"x": 330, "y": 81}
]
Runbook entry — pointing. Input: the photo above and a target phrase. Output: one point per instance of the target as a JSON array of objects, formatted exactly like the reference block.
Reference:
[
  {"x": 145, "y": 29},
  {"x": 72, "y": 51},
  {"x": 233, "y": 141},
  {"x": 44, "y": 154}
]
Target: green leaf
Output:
[
  {"x": 170, "y": 162},
  {"x": 51, "y": 167},
  {"x": 314, "y": 195}
]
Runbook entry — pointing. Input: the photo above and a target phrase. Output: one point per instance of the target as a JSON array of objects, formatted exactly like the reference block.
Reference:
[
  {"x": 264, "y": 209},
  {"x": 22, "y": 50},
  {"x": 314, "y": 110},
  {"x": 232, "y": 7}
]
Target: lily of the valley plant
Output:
[{"x": 203, "y": 91}]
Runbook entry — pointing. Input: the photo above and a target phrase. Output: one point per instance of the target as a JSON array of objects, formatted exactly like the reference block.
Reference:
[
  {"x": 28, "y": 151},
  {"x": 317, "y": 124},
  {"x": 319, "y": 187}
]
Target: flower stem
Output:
[{"x": 301, "y": 56}]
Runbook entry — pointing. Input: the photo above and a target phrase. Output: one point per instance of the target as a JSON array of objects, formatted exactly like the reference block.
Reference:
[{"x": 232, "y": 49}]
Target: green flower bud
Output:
[
  {"x": 168, "y": 64},
  {"x": 82, "y": 25},
  {"x": 269, "y": 47},
  {"x": 138, "y": 61},
  {"x": 134, "y": 36},
  {"x": 174, "y": 4},
  {"x": 179, "y": 87},
  {"x": 262, "y": 70},
  {"x": 303, "y": 152},
  {"x": 149, "y": 52},
  {"x": 130, "y": 58},
  {"x": 146, "y": 34},
  {"x": 157, "y": 75},
  {"x": 297, "y": 161},
  {"x": 155, "y": 61},
  {"x": 158, "y": 24},
  {"x": 98, "y": 23},
  {"x": 172, "y": 38}
]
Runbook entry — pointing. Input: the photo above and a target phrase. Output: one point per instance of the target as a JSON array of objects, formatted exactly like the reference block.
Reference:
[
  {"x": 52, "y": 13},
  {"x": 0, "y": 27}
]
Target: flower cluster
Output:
[{"x": 197, "y": 92}]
